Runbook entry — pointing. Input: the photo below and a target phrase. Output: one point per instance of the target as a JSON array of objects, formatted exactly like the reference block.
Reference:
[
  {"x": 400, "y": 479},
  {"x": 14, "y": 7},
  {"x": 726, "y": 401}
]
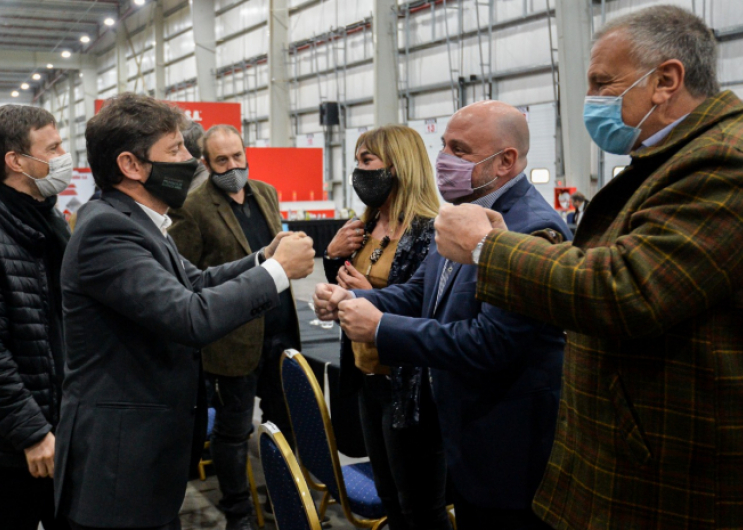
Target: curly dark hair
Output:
[{"x": 127, "y": 122}]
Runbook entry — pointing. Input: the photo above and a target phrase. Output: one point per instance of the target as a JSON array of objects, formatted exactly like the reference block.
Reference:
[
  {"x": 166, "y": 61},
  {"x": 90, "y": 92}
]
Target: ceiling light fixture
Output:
[
  {"x": 36, "y": 77},
  {"x": 24, "y": 86},
  {"x": 49, "y": 66},
  {"x": 14, "y": 93},
  {"x": 66, "y": 54},
  {"x": 139, "y": 2},
  {"x": 109, "y": 21},
  {"x": 85, "y": 39}
]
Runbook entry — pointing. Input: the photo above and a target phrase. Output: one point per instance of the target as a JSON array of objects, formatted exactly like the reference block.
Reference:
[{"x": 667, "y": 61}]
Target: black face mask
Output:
[
  {"x": 373, "y": 186},
  {"x": 169, "y": 181}
]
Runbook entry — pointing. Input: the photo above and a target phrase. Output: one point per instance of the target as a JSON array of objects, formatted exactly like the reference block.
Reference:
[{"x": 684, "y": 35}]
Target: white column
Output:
[
  {"x": 71, "y": 125},
  {"x": 90, "y": 90},
  {"x": 384, "y": 30},
  {"x": 159, "y": 50},
  {"x": 205, "y": 42},
  {"x": 574, "y": 55},
  {"x": 279, "y": 120},
  {"x": 122, "y": 71}
]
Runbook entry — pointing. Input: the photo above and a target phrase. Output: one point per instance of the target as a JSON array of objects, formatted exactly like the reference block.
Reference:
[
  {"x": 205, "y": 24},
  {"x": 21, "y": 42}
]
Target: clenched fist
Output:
[{"x": 296, "y": 255}]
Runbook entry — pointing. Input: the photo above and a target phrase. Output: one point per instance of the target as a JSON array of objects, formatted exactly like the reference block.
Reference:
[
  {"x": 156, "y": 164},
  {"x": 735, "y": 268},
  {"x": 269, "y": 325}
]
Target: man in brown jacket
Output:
[
  {"x": 650, "y": 429},
  {"x": 226, "y": 219}
]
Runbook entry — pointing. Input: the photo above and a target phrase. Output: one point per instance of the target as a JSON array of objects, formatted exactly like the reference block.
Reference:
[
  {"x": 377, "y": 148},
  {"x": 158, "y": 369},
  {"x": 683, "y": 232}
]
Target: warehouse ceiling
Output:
[{"x": 47, "y": 26}]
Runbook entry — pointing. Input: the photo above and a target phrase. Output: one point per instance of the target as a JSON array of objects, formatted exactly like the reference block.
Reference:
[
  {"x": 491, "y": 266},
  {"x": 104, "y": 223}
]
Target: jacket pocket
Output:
[
  {"x": 127, "y": 405},
  {"x": 627, "y": 424}
]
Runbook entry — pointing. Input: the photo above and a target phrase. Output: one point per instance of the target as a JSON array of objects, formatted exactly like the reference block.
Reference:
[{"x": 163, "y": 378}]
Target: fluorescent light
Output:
[
  {"x": 49, "y": 66},
  {"x": 85, "y": 39},
  {"x": 139, "y": 2},
  {"x": 109, "y": 21},
  {"x": 540, "y": 176},
  {"x": 14, "y": 93},
  {"x": 66, "y": 54},
  {"x": 36, "y": 77},
  {"x": 24, "y": 86}
]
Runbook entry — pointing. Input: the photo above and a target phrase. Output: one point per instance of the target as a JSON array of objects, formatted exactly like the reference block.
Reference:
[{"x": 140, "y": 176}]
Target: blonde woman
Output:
[{"x": 395, "y": 180}]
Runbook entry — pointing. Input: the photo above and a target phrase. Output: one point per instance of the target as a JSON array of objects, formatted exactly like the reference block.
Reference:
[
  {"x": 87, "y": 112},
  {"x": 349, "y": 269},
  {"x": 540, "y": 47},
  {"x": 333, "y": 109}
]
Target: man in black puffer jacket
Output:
[{"x": 34, "y": 168}]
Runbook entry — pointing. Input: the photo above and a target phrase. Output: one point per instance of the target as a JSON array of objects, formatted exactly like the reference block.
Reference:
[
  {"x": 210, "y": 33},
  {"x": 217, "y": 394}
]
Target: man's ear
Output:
[
  {"x": 12, "y": 161},
  {"x": 132, "y": 167},
  {"x": 206, "y": 164},
  {"x": 509, "y": 157},
  {"x": 669, "y": 80}
]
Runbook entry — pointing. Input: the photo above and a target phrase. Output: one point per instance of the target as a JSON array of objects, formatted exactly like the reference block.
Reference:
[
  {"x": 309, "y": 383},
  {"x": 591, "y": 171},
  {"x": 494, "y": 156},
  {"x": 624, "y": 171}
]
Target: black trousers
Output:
[
  {"x": 473, "y": 517},
  {"x": 175, "y": 524},
  {"x": 408, "y": 464},
  {"x": 26, "y": 501},
  {"x": 233, "y": 400}
]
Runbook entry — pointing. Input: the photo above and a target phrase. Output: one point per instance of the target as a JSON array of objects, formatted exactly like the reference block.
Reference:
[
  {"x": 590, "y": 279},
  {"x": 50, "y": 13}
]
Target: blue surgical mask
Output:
[{"x": 603, "y": 118}]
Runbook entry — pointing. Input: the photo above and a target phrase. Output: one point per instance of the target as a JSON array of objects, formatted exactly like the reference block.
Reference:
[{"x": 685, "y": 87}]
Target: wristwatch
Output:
[{"x": 478, "y": 250}]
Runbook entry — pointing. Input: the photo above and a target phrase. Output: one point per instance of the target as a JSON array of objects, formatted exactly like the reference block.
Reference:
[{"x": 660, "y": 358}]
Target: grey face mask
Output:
[{"x": 231, "y": 181}]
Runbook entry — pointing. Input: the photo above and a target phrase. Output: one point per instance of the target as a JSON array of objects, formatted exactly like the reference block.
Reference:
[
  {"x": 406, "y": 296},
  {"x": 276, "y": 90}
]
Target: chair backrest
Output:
[
  {"x": 292, "y": 503},
  {"x": 310, "y": 421}
]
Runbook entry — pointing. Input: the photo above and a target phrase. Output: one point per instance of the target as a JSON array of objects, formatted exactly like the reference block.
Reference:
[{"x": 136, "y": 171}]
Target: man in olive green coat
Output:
[{"x": 225, "y": 219}]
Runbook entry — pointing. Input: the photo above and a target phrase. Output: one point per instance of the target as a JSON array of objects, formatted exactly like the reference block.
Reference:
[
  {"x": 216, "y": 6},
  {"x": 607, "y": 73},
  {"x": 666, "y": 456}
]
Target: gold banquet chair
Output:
[
  {"x": 351, "y": 486},
  {"x": 290, "y": 497}
]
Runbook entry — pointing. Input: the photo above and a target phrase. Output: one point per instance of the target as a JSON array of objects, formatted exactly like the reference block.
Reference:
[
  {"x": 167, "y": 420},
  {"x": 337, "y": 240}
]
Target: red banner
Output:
[{"x": 206, "y": 114}]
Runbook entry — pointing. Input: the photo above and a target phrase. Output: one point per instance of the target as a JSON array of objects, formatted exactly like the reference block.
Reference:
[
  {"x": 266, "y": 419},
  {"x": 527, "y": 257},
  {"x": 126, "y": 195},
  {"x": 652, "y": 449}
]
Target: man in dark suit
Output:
[
  {"x": 224, "y": 220},
  {"x": 495, "y": 375},
  {"x": 135, "y": 315}
]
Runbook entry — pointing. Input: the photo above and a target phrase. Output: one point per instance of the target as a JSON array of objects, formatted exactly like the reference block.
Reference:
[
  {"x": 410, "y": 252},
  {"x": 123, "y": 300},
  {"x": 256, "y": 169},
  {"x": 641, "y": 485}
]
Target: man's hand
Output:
[
  {"x": 350, "y": 278},
  {"x": 40, "y": 457},
  {"x": 326, "y": 299},
  {"x": 273, "y": 245},
  {"x": 359, "y": 319},
  {"x": 296, "y": 255},
  {"x": 347, "y": 240},
  {"x": 460, "y": 228}
]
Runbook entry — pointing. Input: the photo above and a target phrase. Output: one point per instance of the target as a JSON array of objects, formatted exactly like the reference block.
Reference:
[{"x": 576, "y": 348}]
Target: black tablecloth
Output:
[
  {"x": 320, "y": 230},
  {"x": 321, "y": 347}
]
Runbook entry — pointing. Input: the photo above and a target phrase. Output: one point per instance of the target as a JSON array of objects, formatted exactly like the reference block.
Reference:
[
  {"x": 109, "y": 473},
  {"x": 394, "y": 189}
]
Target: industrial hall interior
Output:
[{"x": 371, "y": 264}]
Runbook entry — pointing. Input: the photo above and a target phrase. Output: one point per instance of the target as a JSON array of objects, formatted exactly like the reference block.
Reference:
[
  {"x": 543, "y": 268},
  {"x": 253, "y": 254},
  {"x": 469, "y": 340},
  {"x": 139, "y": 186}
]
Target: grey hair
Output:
[{"x": 660, "y": 33}]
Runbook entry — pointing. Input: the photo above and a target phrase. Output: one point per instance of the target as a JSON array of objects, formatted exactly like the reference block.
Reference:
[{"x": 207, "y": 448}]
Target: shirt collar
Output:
[
  {"x": 162, "y": 222},
  {"x": 488, "y": 200},
  {"x": 661, "y": 135}
]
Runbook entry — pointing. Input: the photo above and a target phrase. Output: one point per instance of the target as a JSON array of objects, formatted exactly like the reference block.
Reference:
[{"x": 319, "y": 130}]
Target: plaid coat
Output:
[{"x": 650, "y": 429}]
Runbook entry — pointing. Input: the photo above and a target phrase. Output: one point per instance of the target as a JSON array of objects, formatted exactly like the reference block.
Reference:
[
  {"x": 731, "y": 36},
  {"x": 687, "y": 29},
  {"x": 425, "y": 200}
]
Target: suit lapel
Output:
[
  {"x": 228, "y": 216},
  {"x": 128, "y": 206},
  {"x": 177, "y": 263}
]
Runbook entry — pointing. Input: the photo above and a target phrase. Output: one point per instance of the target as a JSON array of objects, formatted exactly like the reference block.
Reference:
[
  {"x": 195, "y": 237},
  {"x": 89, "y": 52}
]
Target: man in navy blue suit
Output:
[{"x": 495, "y": 375}]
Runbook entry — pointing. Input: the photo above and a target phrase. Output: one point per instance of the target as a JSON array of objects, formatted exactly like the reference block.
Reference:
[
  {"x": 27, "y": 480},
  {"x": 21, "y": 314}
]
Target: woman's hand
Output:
[
  {"x": 347, "y": 240},
  {"x": 350, "y": 278}
]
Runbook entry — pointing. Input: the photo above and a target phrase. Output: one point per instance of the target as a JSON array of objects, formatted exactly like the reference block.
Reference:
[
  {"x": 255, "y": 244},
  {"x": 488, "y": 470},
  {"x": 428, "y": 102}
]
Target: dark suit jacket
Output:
[
  {"x": 208, "y": 234},
  {"x": 135, "y": 315},
  {"x": 496, "y": 375}
]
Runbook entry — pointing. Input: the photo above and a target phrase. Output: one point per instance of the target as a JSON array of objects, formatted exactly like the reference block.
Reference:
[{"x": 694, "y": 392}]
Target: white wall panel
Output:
[
  {"x": 240, "y": 17},
  {"x": 178, "y": 21},
  {"x": 179, "y": 46}
]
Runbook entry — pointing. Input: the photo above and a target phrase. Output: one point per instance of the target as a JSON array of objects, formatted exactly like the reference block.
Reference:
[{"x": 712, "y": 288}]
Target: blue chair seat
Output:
[{"x": 362, "y": 494}]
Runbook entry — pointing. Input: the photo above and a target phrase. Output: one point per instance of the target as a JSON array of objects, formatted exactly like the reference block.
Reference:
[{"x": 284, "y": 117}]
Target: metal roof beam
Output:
[
  {"x": 19, "y": 59},
  {"x": 99, "y": 8}
]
